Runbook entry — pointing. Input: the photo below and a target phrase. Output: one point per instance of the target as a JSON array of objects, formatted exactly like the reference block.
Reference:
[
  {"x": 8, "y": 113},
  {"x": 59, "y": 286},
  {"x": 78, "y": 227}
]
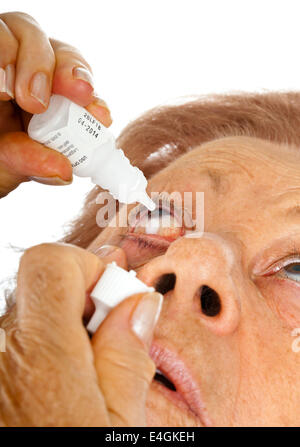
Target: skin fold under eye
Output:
[{"x": 279, "y": 285}]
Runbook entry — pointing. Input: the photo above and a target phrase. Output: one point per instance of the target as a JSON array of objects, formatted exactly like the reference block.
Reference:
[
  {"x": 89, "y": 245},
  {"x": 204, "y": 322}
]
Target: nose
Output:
[{"x": 201, "y": 275}]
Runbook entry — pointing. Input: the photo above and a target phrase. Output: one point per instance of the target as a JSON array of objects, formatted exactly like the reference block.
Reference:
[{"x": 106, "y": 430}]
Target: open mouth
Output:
[
  {"x": 174, "y": 380},
  {"x": 168, "y": 388},
  {"x": 160, "y": 377}
]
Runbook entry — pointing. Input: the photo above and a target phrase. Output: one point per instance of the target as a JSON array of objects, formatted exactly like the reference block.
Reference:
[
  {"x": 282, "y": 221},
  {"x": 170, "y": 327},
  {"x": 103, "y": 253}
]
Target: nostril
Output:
[
  {"x": 210, "y": 301},
  {"x": 165, "y": 283}
]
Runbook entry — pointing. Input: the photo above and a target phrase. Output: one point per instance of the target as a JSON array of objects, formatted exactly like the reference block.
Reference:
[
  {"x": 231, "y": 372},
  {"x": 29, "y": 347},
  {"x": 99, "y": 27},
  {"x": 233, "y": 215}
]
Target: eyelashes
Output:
[
  {"x": 146, "y": 241},
  {"x": 167, "y": 206},
  {"x": 287, "y": 271},
  {"x": 286, "y": 268},
  {"x": 142, "y": 248}
]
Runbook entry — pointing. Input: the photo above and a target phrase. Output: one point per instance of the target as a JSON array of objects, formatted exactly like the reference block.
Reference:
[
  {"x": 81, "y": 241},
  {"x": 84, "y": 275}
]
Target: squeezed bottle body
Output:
[{"x": 91, "y": 149}]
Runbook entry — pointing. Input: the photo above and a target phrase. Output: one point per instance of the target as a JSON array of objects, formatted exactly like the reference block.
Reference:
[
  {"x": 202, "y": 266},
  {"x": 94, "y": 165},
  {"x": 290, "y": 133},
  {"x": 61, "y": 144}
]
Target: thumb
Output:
[
  {"x": 123, "y": 366},
  {"x": 22, "y": 158}
]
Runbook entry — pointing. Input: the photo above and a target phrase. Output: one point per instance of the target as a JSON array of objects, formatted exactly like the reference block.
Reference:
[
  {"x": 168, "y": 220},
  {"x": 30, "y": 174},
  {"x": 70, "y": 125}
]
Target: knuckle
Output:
[
  {"x": 44, "y": 251},
  {"x": 20, "y": 15},
  {"x": 48, "y": 269},
  {"x": 63, "y": 47},
  {"x": 36, "y": 250},
  {"x": 65, "y": 51},
  {"x": 50, "y": 262}
]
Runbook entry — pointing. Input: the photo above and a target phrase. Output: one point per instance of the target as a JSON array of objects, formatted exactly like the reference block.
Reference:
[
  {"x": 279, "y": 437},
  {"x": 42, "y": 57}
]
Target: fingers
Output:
[
  {"x": 32, "y": 66},
  {"x": 123, "y": 365},
  {"x": 52, "y": 283},
  {"x": 8, "y": 56},
  {"x": 51, "y": 292},
  {"x": 33, "y": 74},
  {"x": 55, "y": 360},
  {"x": 109, "y": 253},
  {"x": 73, "y": 78},
  {"x": 99, "y": 109},
  {"x": 22, "y": 158}
]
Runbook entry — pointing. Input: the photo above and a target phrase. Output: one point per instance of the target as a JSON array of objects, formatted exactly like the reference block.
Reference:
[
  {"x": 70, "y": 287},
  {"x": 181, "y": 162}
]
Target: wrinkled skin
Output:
[
  {"x": 242, "y": 359},
  {"x": 22, "y": 159},
  {"x": 51, "y": 373},
  {"x": 240, "y": 362}
]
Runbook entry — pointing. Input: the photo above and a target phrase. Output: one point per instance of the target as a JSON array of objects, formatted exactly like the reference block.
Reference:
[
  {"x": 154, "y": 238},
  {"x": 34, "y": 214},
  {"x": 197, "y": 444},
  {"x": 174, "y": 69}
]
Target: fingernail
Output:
[
  {"x": 39, "y": 88},
  {"x": 55, "y": 181},
  {"x": 100, "y": 102},
  {"x": 10, "y": 79},
  {"x": 7, "y": 77},
  {"x": 84, "y": 75},
  {"x": 145, "y": 316},
  {"x": 2, "y": 81},
  {"x": 100, "y": 110},
  {"x": 105, "y": 250}
]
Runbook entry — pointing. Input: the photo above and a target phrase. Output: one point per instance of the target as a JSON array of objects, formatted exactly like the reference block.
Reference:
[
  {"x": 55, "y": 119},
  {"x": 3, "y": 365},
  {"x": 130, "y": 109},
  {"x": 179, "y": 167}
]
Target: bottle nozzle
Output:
[{"x": 146, "y": 201}]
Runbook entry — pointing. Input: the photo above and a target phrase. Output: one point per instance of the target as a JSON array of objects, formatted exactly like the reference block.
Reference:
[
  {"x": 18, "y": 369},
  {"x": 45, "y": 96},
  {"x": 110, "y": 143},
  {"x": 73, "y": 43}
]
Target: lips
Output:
[{"x": 175, "y": 381}]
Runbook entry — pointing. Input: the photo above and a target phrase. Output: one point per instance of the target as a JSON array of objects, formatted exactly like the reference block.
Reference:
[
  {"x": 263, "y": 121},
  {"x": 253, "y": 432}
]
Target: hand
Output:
[
  {"x": 31, "y": 67},
  {"x": 52, "y": 374}
]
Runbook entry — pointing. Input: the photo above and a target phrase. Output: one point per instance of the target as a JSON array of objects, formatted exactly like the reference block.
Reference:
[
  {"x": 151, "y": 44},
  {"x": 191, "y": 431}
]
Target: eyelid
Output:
[
  {"x": 279, "y": 265},
  {"x": 162, "y": 201}
]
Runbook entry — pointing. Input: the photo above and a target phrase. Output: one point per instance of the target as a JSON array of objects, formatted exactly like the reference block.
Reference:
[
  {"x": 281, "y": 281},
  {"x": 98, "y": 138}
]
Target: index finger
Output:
[
  {"x": 73, "y": 79},
  {"x": 51, "y": 292}
]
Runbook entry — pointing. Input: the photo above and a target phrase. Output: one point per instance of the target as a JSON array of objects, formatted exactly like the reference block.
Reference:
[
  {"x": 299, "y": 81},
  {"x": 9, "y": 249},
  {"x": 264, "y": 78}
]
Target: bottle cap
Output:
[{"x": 114, "y": 286}]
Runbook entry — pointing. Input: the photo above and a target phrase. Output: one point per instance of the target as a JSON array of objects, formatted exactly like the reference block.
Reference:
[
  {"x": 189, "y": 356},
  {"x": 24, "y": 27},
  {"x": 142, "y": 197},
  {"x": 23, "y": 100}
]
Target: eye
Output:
[
  {"x": 292, "y": 271},
  {"x": 159, "y": 222}
]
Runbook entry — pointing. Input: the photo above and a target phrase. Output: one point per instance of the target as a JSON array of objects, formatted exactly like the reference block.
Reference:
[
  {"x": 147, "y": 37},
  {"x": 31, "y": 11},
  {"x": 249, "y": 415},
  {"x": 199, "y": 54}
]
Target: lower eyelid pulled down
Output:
[
  {"x": 146, "y": 241},
  {"x": 140, "y": 249}
]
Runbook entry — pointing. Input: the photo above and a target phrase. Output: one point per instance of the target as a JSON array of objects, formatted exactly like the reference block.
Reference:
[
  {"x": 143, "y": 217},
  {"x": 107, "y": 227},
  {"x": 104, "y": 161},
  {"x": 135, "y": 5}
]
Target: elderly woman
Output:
[{"x": 225, "y": 347}]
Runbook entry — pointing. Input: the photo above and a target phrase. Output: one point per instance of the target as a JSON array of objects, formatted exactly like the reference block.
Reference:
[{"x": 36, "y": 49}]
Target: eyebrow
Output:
[
  {"x": 293, "y": 211},
  {"x": 219, "y": 182},
  {"x": 288, "y": 203}
]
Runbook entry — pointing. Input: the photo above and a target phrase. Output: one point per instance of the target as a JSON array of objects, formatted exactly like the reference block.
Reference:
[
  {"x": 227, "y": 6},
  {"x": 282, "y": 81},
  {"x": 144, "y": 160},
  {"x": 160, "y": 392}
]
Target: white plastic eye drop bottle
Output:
[
  {"x": 91, "y": 149},
  {"x": 114, "y": 286}
]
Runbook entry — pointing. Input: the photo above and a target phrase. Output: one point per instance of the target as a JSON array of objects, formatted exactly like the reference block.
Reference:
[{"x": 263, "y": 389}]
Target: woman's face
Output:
[{"x": 226, "y": 347}]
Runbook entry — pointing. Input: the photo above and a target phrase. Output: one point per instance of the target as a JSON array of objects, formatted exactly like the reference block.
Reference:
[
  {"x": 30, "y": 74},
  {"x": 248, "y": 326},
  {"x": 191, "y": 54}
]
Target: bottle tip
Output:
[{"x": 147, "y": 202}]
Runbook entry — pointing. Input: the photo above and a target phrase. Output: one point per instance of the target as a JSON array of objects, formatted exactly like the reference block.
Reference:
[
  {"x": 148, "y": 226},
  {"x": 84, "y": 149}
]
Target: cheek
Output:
[{"x": 283, "y": 297}]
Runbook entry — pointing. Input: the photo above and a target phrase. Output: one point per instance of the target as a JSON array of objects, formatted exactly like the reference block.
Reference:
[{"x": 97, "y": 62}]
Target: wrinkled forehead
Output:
[{"x": 227, "y": 166}]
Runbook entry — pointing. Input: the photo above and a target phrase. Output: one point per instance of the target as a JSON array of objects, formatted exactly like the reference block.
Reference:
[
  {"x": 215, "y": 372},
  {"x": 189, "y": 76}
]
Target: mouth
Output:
[
  {"x": 161, "y": 378},
  {"x": 175, "y": 382}
]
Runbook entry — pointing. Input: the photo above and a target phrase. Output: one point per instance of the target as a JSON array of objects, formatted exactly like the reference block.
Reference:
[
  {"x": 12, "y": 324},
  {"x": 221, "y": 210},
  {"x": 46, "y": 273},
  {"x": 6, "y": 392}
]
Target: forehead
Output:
[
  {"x": 220, "y": 165},
  {"x": 248, "y": 184}
]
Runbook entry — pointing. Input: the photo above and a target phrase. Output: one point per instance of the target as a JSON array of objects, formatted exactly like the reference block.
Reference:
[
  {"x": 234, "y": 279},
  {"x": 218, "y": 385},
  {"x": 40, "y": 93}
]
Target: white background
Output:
[{"x": 144, "y": 53}]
